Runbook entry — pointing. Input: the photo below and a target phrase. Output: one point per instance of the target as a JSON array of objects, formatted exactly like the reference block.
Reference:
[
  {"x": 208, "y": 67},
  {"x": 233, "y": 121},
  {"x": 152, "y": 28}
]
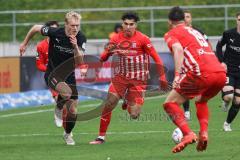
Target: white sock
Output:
[{"x": 101, "y": 137}]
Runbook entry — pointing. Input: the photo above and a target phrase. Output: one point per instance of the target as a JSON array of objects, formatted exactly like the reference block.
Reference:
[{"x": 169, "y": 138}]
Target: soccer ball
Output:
[{"x": 177, "y": 135}]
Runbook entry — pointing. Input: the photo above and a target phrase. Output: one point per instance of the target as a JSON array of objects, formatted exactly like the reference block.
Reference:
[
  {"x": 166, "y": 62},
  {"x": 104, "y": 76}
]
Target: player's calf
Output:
[
  {"x": 227, "y": 97},
  {"x": 110, "y": 103},
  {"x": 71, "y": 106}
]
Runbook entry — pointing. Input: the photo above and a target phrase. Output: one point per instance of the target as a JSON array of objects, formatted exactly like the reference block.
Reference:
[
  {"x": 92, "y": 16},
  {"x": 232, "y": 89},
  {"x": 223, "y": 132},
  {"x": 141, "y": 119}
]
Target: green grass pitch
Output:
[{"x": 30, "y": 134}]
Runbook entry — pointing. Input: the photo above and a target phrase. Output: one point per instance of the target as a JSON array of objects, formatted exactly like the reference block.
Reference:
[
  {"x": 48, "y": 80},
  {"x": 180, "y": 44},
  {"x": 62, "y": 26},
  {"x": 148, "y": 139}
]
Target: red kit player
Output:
[
  {"x": 133, "y": 50},
  {"x": 197, "y": 74}
]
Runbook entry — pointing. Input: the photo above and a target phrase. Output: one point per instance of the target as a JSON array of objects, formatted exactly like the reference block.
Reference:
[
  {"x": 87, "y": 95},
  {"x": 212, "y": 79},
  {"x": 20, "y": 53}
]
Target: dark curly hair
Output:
[
  {"x": 130, "y": 15},
  {"x": 176, "y": 14}
]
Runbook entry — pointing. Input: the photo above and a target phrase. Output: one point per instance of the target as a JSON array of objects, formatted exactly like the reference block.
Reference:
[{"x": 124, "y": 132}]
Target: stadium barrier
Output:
[
  {"x": 9, "y": 75},
  {"x": 44, "y": 97},
  {"x": 34, "y": 92}
]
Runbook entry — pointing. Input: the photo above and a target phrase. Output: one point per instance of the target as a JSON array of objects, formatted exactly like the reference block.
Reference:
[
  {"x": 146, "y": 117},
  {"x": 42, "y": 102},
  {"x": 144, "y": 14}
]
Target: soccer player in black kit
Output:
[
  {"x": 230, "y": 59},
  {"x": 65, "y": 51}
]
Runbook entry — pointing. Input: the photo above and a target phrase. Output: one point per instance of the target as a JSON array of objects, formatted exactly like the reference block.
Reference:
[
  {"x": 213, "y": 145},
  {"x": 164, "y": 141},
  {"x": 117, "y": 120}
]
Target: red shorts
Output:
[
  {"x": 206, "y": 85},
  {"x": 130, "y": 89}
]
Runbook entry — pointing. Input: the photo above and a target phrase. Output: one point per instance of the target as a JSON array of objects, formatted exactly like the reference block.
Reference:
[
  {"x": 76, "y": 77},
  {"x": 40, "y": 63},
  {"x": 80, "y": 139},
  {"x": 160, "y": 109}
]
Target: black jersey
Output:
[
  {"x": 60, "y": 48},
  {"x": 231, "y": 56}
]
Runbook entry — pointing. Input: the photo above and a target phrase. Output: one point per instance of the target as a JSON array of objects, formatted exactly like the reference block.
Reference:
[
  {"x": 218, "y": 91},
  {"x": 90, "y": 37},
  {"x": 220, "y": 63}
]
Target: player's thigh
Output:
[
  {"x": 52, "y": 80},
  {"x": 71, "y": 82},
  {"x": 175, "y": 97},
  {"x": 214, "y": 83},
  {"x": 112, "y": 99},
  {"x": 189, "y": 86},
  {"x": 118, "y": 86}
]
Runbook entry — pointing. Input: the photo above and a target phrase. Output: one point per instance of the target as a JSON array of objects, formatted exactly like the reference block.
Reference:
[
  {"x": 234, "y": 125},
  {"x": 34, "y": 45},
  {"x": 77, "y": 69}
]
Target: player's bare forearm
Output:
[
  {"x": 104, "y": 56},
  {"x": 30, "y": 34},
  {"x": 78, "y": 56},
  {"x": 78, "y": 53},
  {"x": 178, "y": 56},
  {"x": 158, "y": 62}
]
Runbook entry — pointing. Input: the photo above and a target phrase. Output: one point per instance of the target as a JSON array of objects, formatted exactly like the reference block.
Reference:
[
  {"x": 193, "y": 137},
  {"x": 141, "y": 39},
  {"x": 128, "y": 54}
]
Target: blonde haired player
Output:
[{"x": 66, "y": 48}]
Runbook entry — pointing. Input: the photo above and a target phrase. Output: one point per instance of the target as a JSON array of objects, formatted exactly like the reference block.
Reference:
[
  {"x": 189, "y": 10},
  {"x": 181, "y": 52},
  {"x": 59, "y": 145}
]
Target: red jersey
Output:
[
  {"x": 42, "y": 57},
  {"x": 198, "y": 55},
  {"x": 133, "y": 56}
]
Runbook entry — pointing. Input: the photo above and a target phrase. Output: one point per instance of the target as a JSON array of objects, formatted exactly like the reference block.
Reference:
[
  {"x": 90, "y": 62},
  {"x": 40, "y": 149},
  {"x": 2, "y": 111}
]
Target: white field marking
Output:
[
  {"x": 39, "y": 111},
  {"x": 50, "y": 110},
  {"x": 84, "y": 133},
  {"x": 89, "y": 133}
]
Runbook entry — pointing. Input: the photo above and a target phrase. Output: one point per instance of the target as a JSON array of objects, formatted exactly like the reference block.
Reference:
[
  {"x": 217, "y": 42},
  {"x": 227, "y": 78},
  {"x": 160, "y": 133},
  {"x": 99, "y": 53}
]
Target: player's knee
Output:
[
  {"x": 134, "y": 116},
  {"x": 71, "y": 106},
  {"x": 227, "y": 95},
  {"x": 134, "y": 111},
  {"x": 64, "y": 90},
  {"x": 236, "y": 101}
]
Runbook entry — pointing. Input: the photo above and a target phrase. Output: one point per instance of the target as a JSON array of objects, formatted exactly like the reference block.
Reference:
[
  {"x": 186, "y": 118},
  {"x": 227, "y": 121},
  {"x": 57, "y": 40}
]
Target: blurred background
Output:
[{"x": 21, "y": 84}]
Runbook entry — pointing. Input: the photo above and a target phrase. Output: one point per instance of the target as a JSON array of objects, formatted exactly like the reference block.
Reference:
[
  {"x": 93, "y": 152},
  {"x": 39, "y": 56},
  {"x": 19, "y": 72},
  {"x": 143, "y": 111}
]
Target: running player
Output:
[
  {"x": 66, "y": 48},
  {"x": 133, "y": 50},
  {"x": 231, "y": 61},
  {"x": 41, "y": 63},
  {"x": 197, "y": 74},
  {"x": 188, "y": 22}
]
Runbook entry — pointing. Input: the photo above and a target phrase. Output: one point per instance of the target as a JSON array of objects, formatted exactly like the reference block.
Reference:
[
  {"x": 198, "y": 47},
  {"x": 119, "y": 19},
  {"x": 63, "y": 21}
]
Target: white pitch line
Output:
[
  {"x": 91, "y": 133},
  {"x": 84, "y": 133},
  {"x": 50, "y": 110},
  {"x": 39, "y": 111},
  {"x": 24, "y": 113}
]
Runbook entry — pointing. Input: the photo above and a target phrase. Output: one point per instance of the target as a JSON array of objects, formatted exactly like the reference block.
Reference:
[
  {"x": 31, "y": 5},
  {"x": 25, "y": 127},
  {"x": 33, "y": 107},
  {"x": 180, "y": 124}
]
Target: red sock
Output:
[
  {"x": 104, "y": 122},
  {"x": 177, "y": 116},
  {"x": 202, "y": 115}
]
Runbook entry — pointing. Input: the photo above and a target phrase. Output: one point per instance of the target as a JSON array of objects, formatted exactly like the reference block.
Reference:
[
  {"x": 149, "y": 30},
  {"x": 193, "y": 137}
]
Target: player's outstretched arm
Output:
[
  {"x": 30, "y": 34},
  {"x": 160, "y": 68}
]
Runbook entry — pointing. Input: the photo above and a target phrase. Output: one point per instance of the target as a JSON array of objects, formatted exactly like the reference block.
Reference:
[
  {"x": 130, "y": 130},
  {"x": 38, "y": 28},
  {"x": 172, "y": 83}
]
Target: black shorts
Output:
[
  {"x": 233, "y": 81},
  {"x": 53, "y": 79}
]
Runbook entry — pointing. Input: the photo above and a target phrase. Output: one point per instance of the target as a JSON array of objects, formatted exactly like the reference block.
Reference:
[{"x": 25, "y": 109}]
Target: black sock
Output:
[
  {"x": 70, "y": 123},
  {"x": 186, "y": 106},
  {"x": 233, "y": 111},
  {"x": 71, "y": 116}
]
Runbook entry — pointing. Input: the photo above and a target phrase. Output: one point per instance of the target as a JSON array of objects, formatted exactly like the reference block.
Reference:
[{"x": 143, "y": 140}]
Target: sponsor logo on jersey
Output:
[
  {"x": 134, "y": 45},
  {"x": 232, "y": 40}
]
